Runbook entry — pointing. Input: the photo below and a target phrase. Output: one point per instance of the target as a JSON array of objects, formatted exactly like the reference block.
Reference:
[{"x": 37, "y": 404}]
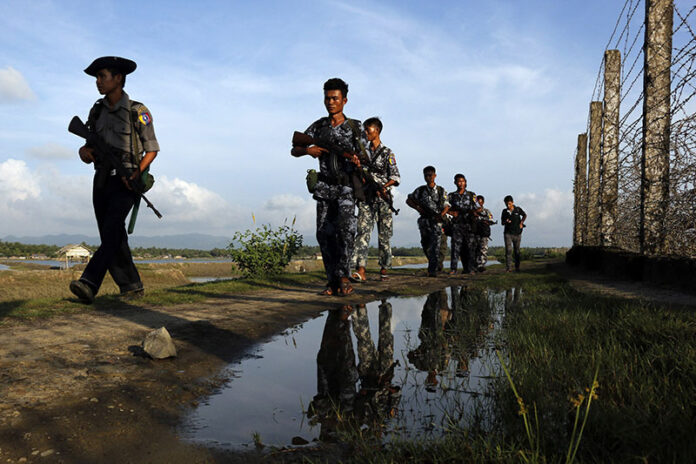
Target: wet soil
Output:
[{"x": 76, "y": 388}]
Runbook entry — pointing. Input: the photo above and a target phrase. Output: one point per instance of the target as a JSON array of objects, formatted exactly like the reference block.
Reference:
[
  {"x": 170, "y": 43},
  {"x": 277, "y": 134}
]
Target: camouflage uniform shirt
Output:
[
  {"x": 347, "y": 135},
  {"x": 383, "y": 165},
  {"x": 464, "y": 204},
  {"x": 434, "y": 198}
]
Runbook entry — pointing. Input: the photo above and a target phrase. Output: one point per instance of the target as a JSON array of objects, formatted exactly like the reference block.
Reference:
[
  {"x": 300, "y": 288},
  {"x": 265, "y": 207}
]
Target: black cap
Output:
[{"x": 125, "y": 65}]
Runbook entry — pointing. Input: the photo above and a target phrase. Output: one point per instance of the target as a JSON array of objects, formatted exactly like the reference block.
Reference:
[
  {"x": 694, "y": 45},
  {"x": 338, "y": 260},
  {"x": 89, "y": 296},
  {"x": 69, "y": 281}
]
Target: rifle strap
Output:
[
  {"x": 356, "y": 137},
  {"x": 441, "y": 197}
]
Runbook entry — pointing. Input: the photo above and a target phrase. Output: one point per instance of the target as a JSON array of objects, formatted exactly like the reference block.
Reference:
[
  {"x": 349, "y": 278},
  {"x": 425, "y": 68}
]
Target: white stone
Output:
[{"x": 159, "y": 344}]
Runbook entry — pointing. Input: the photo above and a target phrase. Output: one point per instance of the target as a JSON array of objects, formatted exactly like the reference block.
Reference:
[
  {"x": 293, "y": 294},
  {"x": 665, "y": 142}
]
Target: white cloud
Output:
[
  {"x": 285, "y": 202},
  {"x": 13, "y": 86},
  {"x": 52, "y": 151},
  {"x": 16, "y": 182},
  {"x": 549, "y": 217}
]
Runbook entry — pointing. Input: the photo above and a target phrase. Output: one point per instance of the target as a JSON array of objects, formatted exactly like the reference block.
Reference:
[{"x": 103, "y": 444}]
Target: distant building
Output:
[{"x": 74, "y": 254}]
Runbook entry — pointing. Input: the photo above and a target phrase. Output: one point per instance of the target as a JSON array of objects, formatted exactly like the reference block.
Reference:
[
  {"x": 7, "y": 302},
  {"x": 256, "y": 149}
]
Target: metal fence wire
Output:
[{"x": 680, "y": 214}]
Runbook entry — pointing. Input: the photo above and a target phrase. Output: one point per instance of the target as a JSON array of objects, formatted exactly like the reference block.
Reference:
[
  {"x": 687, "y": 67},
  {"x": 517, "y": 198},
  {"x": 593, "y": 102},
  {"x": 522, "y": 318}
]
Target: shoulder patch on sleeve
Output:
[{"x": 144, "y": 116}]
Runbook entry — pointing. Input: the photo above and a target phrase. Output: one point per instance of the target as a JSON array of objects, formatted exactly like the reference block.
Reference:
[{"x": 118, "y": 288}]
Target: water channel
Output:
[{"x": 408, "y": 366}]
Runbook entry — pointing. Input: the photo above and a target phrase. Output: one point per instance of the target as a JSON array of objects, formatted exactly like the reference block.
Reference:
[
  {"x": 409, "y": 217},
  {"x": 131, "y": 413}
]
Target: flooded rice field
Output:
[{"x": 401, "y": 367}]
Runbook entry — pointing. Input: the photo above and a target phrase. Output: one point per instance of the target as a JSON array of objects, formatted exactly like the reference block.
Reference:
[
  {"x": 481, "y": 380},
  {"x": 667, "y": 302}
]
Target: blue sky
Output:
[{"x": 497, "y": 90}]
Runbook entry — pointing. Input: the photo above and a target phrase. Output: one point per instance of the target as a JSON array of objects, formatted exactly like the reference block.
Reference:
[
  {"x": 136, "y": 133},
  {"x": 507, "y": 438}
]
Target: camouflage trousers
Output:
[
  {"x": 336, "y": 228},
  {"x": 374, "y": 362},
  {"x": 463, "y": 248},
  {"x": 442, "y": 253},
  {"x": 481, "y": 251},
  {"x": 369, "y": 213},
  {"x": 431, "y": 238}
]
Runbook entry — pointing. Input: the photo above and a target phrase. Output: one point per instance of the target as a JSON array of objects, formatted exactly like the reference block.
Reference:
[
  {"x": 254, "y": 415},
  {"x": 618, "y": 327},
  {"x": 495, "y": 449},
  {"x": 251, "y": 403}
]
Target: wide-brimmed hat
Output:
[{"x": 124, "y": 65}]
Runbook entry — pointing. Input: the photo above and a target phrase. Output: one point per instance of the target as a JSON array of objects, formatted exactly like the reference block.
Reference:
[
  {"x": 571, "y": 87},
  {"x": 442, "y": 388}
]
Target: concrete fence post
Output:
[
  {"x": 654, "y": 199},
  {"x": 594, "y": 218},
  {"x": 609, "y": 184},
  {"x": 580, "y": 192}
]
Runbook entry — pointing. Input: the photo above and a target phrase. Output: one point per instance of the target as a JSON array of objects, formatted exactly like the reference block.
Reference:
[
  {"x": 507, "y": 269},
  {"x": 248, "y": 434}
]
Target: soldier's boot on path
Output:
[{"x": 82, "y": 291}]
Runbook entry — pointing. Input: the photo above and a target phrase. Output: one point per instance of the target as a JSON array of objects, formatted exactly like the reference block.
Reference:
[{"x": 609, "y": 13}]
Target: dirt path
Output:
[
  {"x": 74, "y": 388},
  {"x": 594, "y": 282}
]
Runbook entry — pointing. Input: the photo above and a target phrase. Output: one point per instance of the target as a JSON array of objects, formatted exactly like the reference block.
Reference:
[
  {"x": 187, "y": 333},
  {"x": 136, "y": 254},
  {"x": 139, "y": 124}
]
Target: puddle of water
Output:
[
  {"x": 4, "y": 267},
  {"x": 407, "y": 365}
]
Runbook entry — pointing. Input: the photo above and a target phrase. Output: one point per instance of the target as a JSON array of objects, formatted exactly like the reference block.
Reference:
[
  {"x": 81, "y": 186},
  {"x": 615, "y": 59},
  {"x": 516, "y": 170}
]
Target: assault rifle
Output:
[
  {"x": 108, "y": 156},
  {"x": 376, "y": 188},
  {"x": 303, "y": 140},
  {"x": 428, "y": 212}
]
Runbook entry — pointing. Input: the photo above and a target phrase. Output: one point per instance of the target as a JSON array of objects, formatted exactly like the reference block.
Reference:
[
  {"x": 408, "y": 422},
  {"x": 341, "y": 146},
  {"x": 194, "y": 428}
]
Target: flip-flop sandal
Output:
[
  {"x": 384, "y": 277},
  {"x": 356, "y": 277}
]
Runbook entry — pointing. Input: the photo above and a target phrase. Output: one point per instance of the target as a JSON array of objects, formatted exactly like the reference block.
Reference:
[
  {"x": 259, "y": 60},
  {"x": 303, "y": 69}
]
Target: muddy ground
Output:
[{"x": 76, "y": 388}]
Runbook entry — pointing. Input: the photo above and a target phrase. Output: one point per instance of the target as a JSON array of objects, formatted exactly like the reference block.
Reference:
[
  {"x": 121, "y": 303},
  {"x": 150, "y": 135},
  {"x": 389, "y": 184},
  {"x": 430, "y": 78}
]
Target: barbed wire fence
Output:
[{"x": 636, "y": 187}]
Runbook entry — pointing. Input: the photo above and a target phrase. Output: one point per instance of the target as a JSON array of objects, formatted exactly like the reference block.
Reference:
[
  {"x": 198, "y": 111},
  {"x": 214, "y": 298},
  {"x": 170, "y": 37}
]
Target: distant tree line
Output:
[
  {"x": 8, "y": 249},
  {"x": 155, "y": 252},
  {"x": 528, "y": 253}
]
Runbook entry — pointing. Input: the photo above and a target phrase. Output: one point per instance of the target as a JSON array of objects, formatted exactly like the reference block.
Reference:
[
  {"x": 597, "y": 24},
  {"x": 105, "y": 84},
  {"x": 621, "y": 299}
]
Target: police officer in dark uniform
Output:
[
  {"x": 126, "y": 125},
  {"x": 430, "y": 200},
  {"x": 463, "y": 208},
  {"x": 336, "y": 221}
]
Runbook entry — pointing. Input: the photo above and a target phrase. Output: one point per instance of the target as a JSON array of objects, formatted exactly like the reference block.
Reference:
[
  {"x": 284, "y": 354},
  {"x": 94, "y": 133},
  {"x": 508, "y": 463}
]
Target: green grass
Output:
[
  {"x": 555, "y": 339},
  {"x": 647, "y": 370}
]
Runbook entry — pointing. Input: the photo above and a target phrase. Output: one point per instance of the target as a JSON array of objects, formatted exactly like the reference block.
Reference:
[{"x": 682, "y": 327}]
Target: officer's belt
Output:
[{"x": 343, "y": 179}]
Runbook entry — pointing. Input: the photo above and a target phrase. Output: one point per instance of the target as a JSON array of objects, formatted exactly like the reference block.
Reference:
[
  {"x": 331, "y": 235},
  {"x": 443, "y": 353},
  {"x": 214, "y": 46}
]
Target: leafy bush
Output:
[{"x": 264, "y": 251}]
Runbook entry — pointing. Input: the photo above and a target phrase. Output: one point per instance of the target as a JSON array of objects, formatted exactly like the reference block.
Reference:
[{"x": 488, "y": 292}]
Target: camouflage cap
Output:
[{"x": 125, "y": 65}]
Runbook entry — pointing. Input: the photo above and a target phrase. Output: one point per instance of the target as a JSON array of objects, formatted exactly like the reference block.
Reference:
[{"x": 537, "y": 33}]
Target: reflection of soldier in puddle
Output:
[
  {"x": 336, "y": 402},
  {"x": 377, "y": 396},
  {"x": 432, "y": 355},
  {"x": 336, "y": 374}
]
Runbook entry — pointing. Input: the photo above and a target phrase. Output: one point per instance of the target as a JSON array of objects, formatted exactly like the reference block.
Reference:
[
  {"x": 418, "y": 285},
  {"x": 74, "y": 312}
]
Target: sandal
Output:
[
  {"x": 383, "y": 274},
  {"x": 328, "y": 291},
  {"x": 345, "y": 288},
  {"x": 356, "y": 277}
]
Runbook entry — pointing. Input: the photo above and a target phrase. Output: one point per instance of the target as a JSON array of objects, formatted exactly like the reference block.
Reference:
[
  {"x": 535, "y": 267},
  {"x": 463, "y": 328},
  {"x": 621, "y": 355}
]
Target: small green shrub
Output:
[{"x": 264, "y": 251}]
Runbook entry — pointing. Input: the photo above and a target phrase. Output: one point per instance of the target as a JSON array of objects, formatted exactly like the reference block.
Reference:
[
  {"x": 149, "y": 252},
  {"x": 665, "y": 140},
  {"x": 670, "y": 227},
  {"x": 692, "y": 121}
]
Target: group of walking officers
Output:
[
  {"x": 353, "y": 164},
  {"x": 356, "y": 167}
]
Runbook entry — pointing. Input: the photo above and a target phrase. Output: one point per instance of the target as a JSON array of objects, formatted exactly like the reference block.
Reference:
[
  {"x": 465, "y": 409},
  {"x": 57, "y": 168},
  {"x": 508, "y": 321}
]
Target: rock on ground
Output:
[{"x": 159, "y": 344}]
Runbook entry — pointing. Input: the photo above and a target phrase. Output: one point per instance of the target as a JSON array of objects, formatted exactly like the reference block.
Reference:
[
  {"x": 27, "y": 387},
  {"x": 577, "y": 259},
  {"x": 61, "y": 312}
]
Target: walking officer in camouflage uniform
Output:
[
  {"x": 382, "y": 166},
  {"x": 484, "y": 221},
  {"x": 127, "y": 126},
  {"x": 463, "y": 208},
  {"x": 430, "y": 201},
  {"x": 334, "y": 194}
]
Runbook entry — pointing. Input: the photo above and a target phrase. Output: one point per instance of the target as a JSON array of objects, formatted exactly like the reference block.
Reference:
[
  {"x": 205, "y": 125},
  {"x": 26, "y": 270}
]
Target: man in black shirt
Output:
[{"x": 512, "y": 219}]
